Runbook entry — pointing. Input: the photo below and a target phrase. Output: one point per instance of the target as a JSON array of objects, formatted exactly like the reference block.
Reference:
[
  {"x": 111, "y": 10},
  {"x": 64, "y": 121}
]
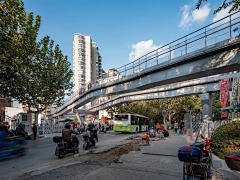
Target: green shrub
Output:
[{"x": 226, "y": 139}]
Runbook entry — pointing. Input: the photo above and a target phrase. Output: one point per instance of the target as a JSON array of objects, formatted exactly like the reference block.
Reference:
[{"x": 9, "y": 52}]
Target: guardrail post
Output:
[
  {"x": 185, "y": 45},
  {"x": 133, "y": 66},
  {"x": 170, "y": 51},
  {"x": 118, "y": 72},
  {"x": 125, "y": 71},
  {"x": 230, "y": 27},
  {"x": 157, "y": 55},
  {"x": 205, "y": 38},
  {"x": 146, "y": 62},
  {"x": 139, "y": 64}
]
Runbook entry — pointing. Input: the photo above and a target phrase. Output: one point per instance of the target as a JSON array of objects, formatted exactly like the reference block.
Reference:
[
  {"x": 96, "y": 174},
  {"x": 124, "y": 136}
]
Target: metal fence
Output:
[
  {"x": 51, "y": 128},
  {"x": 211, "y": 34},
  {"x": 209, "y": 127}
]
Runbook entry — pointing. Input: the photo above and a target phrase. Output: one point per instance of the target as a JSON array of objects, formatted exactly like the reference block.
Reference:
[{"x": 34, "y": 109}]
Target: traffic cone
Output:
[{"x": 147, "y": 140}]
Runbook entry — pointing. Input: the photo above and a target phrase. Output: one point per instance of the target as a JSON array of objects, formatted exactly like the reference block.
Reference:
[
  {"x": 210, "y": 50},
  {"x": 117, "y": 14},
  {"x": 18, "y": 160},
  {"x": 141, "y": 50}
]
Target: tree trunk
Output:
[{"x": 36, "y": 119}]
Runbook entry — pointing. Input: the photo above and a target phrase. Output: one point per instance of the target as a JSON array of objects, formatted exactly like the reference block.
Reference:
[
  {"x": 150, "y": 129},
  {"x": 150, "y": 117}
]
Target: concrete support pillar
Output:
[
  {"x": 206, "y": 100},
  {"x": 82, "y": 118},
  {"x": 78, "y": 117},
  {"x": 188, "y": 124}
]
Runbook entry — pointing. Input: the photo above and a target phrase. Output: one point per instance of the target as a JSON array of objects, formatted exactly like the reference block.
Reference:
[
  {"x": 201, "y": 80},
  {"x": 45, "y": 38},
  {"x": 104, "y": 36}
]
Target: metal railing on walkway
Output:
[{"x": 211, "y": 34}]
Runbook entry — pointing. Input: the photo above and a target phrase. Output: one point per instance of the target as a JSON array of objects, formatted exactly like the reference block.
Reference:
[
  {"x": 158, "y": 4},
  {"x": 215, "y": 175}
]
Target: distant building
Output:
[
  {"x": 8, "y": 110},
  {"x": 3, "y": 103},
  {"x": 87, "y": 62}
]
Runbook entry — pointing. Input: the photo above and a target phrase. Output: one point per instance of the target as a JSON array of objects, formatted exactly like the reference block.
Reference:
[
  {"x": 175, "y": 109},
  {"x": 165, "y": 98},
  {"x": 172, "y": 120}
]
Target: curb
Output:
[{"x": 221, "y": 167}]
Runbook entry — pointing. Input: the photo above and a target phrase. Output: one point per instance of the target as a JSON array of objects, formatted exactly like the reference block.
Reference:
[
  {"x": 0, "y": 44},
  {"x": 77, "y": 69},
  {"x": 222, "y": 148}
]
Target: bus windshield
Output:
[{"x": 121, "y": 117}]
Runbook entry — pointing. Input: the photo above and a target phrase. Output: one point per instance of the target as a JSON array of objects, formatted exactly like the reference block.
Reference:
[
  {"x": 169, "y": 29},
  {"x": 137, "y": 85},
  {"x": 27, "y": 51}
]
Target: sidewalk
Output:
[
  {"x": 51, "y": 135},
  {"x": 139, "y": 166}
]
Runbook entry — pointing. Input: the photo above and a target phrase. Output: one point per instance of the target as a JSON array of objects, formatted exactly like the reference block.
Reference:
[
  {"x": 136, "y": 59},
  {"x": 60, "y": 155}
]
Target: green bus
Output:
[{"x": 130, "y": 123}]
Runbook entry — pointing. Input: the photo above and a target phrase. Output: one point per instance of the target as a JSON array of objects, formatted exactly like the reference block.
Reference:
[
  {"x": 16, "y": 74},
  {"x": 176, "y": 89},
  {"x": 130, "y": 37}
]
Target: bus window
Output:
[
  {"x": 134, "y": 120},
  {"x": 121, "y": 117}
]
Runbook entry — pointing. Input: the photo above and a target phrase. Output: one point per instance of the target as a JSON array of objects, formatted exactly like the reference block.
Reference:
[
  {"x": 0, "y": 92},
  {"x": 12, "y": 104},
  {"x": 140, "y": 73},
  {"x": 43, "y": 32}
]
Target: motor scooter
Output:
[
  {"x": 12, "y": 133},
  {"x": 79, "y": 130},
  {"x": 11, "y": 145},
  {"x": 87, "y": 144},
  {"x": 63, "y": 148}
]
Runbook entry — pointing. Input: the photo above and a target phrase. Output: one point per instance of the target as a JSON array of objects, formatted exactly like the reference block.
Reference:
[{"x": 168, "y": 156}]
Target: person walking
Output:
[
  {"x": 181, "y": 125},
  {"x": 175, "y": 126},
  {"x": 34, "y": 129}
]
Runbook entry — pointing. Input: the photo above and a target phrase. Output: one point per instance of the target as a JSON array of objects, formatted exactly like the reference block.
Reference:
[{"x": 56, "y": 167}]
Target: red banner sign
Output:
[{"x": 224, "y": 89}]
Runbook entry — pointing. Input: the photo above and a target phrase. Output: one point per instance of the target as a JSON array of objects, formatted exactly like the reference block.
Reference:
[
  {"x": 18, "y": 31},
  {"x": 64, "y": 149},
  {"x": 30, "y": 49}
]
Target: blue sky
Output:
[{"x": 122, "y": 29}]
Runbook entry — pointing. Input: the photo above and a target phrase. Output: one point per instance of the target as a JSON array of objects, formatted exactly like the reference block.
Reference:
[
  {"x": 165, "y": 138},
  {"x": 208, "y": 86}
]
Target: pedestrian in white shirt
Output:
[{"x": 175, "y": 126}]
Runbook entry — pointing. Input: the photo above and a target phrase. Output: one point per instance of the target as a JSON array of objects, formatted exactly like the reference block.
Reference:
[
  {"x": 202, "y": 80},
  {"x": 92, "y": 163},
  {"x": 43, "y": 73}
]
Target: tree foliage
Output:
[
  {"x": 233, "y": 4},
  {"x": 175, "y": 107},
  {"x": 35, "y": 73}
]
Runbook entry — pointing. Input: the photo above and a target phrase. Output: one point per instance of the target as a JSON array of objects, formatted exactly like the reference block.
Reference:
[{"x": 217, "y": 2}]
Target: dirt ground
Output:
[
  {"x": 86, "y": 163},
  {"x": 126, "y": 148}
]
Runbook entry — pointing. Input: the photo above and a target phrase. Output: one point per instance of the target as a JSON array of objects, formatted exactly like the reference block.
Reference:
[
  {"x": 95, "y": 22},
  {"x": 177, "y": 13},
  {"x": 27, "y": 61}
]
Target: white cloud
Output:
[
  {"x": 142, "y": 48},
  {"x": 200, "y": 15},
  {"x": 185, "y": 22},
  {"x": 197, "y": 15},
  {"x": 221, "y": 14}
]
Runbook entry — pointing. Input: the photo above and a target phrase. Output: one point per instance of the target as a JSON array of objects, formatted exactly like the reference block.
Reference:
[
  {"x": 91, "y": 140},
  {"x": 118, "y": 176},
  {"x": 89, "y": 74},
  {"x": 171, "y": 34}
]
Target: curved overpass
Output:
[
  {"x": 217, "y": 58},
  {"x": 210, "y": 85}
]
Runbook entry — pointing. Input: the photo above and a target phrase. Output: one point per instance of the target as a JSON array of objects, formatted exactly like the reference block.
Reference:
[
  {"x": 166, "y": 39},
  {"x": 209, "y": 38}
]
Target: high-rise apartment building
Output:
[{"x": 87, "y": 62}]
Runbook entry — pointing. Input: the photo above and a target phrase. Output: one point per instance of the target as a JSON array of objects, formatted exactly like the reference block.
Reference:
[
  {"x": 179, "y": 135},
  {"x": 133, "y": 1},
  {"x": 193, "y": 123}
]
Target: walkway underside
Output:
[{"x": 210, "y": 85}]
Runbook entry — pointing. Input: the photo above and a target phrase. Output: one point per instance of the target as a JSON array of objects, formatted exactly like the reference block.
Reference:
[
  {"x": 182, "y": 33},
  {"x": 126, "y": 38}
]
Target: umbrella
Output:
[
  {"x": 230, "y": 109},
  {"x": 66, "y": 120}
]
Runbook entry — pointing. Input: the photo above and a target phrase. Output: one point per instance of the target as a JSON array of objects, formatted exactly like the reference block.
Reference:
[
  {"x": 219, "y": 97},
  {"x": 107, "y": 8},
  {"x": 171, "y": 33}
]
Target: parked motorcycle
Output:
[{"x": 63, "y": 148}]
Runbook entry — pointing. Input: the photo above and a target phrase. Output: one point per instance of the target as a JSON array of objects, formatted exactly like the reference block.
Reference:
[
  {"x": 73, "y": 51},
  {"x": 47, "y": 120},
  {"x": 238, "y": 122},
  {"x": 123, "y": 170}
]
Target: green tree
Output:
[
  {"x": 18, "y": 37},
  {"x": 36, "y": 74},
  {"x": 175, "y": 107},
  {"x": 234, "y": 4}
]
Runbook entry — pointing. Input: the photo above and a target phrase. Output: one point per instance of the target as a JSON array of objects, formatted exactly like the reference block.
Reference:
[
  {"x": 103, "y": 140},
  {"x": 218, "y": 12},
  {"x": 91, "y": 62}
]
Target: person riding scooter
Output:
[
  {"x": 67, "y": 135},
  {"x": 3, "y": 134},
  {"x": 89, "y": 133}
]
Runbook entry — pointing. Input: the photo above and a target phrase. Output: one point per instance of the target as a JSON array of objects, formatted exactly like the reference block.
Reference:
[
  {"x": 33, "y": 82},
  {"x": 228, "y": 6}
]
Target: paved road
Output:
[{"x": 40, "y": 155}]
